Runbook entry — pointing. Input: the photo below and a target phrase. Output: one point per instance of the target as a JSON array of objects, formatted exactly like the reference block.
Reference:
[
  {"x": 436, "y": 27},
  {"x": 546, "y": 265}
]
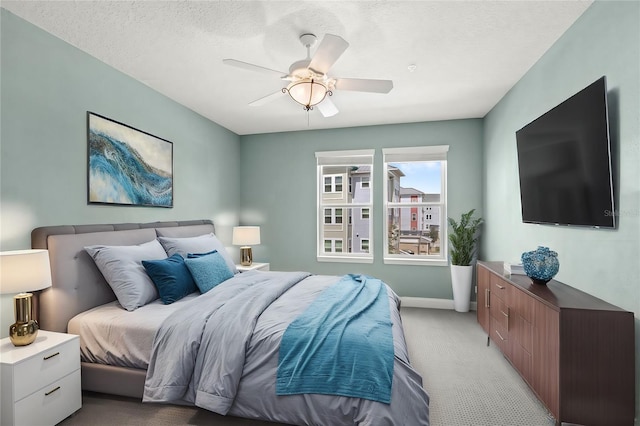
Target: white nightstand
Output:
[
  {"x": 40, "y": 382},
  {"x": 255, "y": 266}
]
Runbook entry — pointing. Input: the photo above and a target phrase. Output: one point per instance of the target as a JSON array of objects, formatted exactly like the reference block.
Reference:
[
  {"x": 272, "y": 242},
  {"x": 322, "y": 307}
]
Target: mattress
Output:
[{"x": 114, "y": 336}]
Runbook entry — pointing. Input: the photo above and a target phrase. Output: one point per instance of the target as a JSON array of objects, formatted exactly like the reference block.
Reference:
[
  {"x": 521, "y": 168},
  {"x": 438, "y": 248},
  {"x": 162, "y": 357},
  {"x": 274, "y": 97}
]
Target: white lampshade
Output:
[
  {"x": 246, "y": 235},
  {"x": 307, "y": 92},
  {"x": 22, "y": 271}
]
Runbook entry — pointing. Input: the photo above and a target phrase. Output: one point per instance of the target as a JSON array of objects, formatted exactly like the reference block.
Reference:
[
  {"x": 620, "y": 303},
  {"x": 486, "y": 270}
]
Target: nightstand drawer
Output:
[
  {"x": 54, "y": 402},
  {"x": 42, "y": 369}
]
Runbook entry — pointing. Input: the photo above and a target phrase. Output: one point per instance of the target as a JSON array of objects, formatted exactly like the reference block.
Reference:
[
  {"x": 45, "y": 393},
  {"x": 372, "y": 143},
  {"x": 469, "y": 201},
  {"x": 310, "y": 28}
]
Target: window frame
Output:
[
  {"x": 358, "y": 158},
  {"x": 408, "y": 155}
]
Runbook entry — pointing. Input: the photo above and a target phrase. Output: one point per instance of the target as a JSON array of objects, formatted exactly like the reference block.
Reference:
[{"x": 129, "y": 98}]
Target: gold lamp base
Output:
[
  {"x": 246, "y": 256},
  {"x": 25, "y": 329}
]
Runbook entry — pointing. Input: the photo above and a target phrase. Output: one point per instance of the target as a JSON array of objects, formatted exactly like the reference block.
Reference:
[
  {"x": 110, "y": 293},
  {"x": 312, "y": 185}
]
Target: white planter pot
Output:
[{"x": 461, "y": 277}]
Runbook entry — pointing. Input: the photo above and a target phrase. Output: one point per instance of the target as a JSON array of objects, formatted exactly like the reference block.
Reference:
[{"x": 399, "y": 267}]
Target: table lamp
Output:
[
  {"x": 246, "y": 236},
  {"x": 22, "y": 271}
]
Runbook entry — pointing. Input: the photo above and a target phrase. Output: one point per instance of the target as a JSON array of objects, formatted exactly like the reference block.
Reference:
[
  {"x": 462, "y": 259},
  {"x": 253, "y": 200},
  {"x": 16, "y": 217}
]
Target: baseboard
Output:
[{"x": 425, "y": 302}]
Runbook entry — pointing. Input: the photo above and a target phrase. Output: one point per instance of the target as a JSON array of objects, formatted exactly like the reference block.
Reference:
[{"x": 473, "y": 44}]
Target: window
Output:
[
  {"x": 328, "y": 216},
  {"x": 345, "y": 204},
  {"x": 333, "y": 216},
  {"x": 333, "y": 245},
  {"x": 332, "y": 183},
  {"x": 415, "y": 182}
]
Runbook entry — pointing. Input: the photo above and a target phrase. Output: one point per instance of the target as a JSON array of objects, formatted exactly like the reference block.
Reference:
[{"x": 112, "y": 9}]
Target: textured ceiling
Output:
[{"x": 468, "y": 54}]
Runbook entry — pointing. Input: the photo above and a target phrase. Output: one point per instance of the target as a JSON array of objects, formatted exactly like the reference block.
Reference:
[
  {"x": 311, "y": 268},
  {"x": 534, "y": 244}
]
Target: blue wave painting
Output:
[{"x": 120, "y": 174}]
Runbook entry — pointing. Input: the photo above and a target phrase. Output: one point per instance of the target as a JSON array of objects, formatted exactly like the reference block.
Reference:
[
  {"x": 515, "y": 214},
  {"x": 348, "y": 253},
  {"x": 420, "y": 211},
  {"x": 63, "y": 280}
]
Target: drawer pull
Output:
[
  {"x": 487, "y": 295},
  {"x": 51, "y": 356},
  {"x": 507, "y": 315},
  {"x": 51, "y": 391},
  {"x": 500, "y": 336},
  {"x": 501, "y": 287}
]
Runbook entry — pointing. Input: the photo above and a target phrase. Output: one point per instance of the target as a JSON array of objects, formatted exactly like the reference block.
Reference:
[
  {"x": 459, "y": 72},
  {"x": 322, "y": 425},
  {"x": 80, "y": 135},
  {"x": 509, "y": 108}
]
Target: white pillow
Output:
[
  {"x": 122, "y": 267},
  {"x": 197, "y": 245}
]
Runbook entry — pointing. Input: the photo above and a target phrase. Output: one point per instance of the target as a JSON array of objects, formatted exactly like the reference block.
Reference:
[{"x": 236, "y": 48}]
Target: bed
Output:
[{"x": 246, "y": 376}]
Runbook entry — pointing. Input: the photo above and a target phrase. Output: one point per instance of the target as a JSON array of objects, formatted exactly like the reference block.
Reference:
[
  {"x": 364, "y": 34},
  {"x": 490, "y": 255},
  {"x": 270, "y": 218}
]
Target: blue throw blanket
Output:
[{"x": 341, "y": 345}]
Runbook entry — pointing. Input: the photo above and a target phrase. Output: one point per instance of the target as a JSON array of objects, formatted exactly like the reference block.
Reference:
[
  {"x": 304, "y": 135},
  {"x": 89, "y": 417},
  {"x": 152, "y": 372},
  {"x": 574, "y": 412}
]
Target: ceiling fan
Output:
[{"x": 309, "y": 83}]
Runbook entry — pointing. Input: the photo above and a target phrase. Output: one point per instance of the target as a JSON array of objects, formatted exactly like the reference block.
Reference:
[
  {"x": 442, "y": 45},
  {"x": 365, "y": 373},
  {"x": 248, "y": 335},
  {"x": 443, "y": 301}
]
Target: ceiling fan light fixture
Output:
[
  {"x": 309, "y": 82},
  {"x": 307, "y": 92}
]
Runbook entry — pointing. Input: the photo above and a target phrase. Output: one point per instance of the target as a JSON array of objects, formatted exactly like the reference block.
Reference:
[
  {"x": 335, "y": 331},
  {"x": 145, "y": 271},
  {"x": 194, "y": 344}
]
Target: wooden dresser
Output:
[{"x": 576, "y": 352}]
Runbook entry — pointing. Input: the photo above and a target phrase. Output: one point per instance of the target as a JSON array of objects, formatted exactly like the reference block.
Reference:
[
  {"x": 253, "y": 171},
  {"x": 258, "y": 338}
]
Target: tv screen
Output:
[{"x": 564, "y": 163}]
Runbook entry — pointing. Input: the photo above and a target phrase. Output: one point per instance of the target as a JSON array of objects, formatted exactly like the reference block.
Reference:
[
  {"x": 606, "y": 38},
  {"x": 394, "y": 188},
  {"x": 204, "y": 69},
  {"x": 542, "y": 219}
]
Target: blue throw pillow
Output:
[
  {"x": 208, "y": 270},
  {"x": 171, "y": 277}
]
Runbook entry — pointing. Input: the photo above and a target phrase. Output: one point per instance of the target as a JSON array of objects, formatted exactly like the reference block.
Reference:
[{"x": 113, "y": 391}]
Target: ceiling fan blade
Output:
[
  {"x": 327, "y": 108},
  {"x": 330, "y": 49},
  {"x": 267, "y": 99},
  {"x": 252, "y": 67},
  {"x": 364, "y": 85}
]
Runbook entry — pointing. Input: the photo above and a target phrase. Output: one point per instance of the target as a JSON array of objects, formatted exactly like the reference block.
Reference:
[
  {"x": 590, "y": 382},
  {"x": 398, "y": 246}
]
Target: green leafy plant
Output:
[{"x": 463, "y": 238}]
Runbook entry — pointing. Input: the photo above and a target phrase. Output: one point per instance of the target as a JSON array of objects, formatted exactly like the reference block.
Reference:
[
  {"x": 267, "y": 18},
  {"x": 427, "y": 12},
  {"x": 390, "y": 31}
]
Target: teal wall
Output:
[
  {"x": 604, "y": 41},
  {"x": 278, "y": 192},
  {"x": 46, "y": 89}
]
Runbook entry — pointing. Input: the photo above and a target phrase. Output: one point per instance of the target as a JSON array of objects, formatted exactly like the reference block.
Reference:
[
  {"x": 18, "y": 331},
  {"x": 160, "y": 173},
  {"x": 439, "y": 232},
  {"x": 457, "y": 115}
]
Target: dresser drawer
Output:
[
  {"x": 523, "y": 304},
  {"x": 45, "y": 368},
  {"x": 500, "y": 288},
  {"x": 51, "y": 404},
  {"x": 499, "y": 335},
  {"x": 500, "y": 312},
  {"x": 522, "y": 361},
  {"x": 521, "y": 331}
]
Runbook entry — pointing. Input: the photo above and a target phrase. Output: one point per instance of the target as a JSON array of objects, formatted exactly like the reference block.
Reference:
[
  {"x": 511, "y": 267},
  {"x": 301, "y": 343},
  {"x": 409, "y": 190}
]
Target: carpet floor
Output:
[{"x": 469, "y": 383}]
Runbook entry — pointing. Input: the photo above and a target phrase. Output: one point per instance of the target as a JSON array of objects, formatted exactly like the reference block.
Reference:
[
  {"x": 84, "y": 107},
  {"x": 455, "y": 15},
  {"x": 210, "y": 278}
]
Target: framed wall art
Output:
[{"x": 127, "y": 166}]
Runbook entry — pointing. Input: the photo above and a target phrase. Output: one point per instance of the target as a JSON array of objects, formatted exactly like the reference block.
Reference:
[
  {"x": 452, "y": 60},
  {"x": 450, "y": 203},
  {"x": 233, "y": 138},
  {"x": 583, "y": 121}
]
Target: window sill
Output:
[
  {"x": 345, "y": 259},
  {"x": 422, "y": 262}
]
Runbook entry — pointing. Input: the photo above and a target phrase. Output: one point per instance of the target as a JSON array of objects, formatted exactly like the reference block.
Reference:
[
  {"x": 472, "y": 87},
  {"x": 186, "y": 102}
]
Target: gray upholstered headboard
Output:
[{"x": 77, "y": 284}]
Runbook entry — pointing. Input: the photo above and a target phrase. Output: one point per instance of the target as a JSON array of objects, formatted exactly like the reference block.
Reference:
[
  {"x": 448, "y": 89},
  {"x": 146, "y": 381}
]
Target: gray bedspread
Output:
[{"x": 221, "y": 353}]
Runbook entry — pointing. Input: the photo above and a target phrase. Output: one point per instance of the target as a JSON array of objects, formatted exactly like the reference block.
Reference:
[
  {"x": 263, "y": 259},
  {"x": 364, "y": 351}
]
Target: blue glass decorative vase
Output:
[{"x": 541, "y": 265}]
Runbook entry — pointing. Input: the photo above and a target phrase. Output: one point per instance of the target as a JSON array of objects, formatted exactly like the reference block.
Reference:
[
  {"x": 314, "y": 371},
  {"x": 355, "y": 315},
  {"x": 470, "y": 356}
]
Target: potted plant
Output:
[{"x": 463, "y": 238}]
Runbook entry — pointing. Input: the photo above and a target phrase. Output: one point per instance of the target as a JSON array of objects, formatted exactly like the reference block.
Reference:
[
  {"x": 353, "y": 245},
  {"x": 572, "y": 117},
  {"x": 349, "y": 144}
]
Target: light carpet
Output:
[{"x": 468, "y": 382}]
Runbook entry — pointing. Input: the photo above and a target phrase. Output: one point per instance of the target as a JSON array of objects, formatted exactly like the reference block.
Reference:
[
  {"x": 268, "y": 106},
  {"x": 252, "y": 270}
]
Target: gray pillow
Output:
[
  {"x": 122, "y": 267},
  {"x": 197, "y": 245}
]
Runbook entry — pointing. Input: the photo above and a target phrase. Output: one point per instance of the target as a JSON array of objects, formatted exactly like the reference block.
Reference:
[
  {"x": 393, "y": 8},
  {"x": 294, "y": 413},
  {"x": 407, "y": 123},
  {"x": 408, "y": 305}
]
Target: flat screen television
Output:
[{"x": 564, "y": 163}]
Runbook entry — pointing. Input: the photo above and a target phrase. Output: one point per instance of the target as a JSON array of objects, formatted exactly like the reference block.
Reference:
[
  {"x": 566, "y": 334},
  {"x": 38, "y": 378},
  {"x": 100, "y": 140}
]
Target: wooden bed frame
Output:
[{"x": 78, "y": 285}]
